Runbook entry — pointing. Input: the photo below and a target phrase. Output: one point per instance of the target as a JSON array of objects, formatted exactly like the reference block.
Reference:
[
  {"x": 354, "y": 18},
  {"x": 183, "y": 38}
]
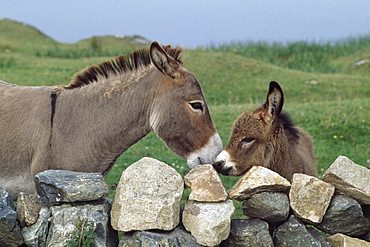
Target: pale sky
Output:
[{"x": 193, "y": 23}]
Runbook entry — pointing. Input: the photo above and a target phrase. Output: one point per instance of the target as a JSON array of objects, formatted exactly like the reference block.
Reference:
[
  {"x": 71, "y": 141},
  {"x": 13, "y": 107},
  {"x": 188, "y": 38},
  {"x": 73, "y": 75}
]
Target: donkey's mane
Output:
[
  {"x": 117, "y": 65},
  {"x": 288, "y": 125}
]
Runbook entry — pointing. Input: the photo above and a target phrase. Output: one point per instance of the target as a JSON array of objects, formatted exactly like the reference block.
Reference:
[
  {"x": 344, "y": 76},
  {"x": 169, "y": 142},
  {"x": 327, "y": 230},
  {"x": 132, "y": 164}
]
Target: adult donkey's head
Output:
[{"x": 179, "y": 114}]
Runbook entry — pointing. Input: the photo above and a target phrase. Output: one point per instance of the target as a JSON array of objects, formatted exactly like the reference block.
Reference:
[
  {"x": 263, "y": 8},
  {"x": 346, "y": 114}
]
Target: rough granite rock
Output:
[
  {"x": 65, "y": 217},
  {"x": 258, "y": 179},
  {"x": 35, "y": 235},
  {"x": 293, "y": 233},
  {"x": 28, "y": 209},
  {"x": 366, "y": 210},
  {"x": 366, "y": 237},
  {"x": 67, "y": 186},
  {"x": 10, "y": 232},
  {"x": 345, "y": 215},
  {"x": 310, "y": 197},
  {"x": 249, "y": 232},
  {"x": 208, "y": 222},
  {"x": 176, "y": 237},
  {"x": 349, "y": 179},
  {"x": 130, "y": 243},
  {"x": 147, "y": 197},
  {"x": 317, "y": 235},
  {"x": 269, "y": 206},
  {"x": 341, "y": 240},
  {"x": 205, "y": 185}
]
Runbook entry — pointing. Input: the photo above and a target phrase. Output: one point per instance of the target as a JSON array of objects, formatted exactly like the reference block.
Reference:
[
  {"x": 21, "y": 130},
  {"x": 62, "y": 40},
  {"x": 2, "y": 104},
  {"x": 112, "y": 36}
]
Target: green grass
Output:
[
  {"x": 335, "y": 111},
  {"x": 7, "y": 62},
  {"x": 304, "y": 56}
]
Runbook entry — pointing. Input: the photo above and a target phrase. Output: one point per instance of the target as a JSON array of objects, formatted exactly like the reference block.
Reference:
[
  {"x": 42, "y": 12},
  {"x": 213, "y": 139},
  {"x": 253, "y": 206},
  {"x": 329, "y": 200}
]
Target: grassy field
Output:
[{"x": 325, "y": 93}]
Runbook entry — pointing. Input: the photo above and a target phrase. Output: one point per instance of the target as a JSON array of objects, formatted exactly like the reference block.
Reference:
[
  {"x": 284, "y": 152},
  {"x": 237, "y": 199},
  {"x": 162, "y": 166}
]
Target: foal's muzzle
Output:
[{"x": 220, "y": 168}]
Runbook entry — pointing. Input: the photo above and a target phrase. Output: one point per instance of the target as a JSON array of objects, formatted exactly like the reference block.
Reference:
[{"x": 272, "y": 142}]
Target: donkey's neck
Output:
[
  {"x": 286, "y": 160},
  {"x": 100, "y": 121}
]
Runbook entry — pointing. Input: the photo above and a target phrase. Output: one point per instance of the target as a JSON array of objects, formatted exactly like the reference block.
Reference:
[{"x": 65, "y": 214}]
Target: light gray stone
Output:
[
  {"x": 10, "y": 232},
  {"x": 349, "y": 179},
  {"x": 249, "y": 232},
  {"x": 147, "y": 197},
  {"x": 341, "y": 240},
  {"x": 28, "y": 208},
  {"x": 310, "y": 197},
  {"x": 293, "y": 233},
  {"x": 205, "y": 184},
  {"x": 208, "y": 222},
  {"x": 345, "y": 215},
  {"x": 269, "y": 206},
  {"x": 35, "y": 235},
  {"x": 5, "y": 199},
  {"x": 68, "y": 186},
  {"x": 258, "y": 179},
  {"x": 65, "y": 218}
]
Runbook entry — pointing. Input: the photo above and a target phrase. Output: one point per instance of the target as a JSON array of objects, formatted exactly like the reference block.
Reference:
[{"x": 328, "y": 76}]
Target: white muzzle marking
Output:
[{"x": 207, "y": 154}]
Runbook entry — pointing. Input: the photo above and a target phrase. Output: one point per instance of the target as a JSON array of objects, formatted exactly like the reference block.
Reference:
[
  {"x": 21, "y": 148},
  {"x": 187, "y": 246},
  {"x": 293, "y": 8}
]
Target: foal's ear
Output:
[
  {"x": 274, "y": 102},
  {"x": 166, "y": 64}
]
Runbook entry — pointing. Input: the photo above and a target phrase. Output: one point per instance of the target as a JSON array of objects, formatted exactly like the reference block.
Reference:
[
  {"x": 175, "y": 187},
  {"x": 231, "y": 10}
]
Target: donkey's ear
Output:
[
  {"x": 274, "y": 102},
  {"x": 166, "y": 64}
]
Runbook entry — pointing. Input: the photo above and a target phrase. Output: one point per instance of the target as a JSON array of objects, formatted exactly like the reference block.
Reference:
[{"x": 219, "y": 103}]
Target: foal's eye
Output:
[
  {"x": 196, "y": 106},
  {"x": 246, "y": 141}
]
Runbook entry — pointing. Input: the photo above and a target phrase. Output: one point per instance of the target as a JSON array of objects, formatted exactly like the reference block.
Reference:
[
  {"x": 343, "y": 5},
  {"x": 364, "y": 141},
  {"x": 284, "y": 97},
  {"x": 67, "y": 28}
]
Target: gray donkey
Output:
[{"x": 106, "y": 108}]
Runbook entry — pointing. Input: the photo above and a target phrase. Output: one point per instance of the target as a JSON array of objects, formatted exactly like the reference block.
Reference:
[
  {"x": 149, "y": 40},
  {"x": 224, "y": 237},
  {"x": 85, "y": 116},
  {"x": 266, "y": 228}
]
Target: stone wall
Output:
[{"x": 147, "y": 208}]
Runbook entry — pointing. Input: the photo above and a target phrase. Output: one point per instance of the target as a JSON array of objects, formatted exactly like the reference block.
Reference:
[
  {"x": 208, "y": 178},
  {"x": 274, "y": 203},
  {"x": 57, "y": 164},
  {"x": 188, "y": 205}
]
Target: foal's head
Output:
[
  {"x": 180, "y": 115},
  {"x": 257, "y": 136}
]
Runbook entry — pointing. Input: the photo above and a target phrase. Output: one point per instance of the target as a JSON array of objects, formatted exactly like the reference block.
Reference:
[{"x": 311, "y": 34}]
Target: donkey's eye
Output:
[
  {"x": 196, "y": 106},
  {"x": 246, "y": 141}
]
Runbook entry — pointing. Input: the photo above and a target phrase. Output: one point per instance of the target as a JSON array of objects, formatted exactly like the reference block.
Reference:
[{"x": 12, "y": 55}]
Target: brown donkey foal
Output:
[{"x": 266, "y": 137}]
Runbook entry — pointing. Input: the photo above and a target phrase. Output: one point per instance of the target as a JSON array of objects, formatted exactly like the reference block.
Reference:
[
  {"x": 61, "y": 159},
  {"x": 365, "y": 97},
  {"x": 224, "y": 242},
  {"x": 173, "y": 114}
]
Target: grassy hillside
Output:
[
  {"x": 20, "y": 37},
  {"x": 304, "y": 56},
  {"x": 231, "y": 78},
  {"x": 333, "y": 107}
]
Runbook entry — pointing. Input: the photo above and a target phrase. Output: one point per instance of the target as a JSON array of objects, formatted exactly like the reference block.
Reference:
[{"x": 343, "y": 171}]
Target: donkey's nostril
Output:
[
  {"x": 221, "y": 168},
  {"x": 226, "y": 171},
  {"x": 218, "y": 165}
]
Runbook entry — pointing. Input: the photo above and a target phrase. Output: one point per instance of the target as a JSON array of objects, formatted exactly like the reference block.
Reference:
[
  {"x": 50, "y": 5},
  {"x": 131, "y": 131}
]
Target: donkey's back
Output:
[
  {"x": 266, "y": 137},
  {"x": 24, "y": 131}
]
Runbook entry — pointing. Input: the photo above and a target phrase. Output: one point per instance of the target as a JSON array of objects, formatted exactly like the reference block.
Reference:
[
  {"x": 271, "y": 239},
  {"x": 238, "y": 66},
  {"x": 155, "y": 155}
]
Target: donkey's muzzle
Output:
[
  {"x": 220, "y": 167},
  {"x": 207, "y": 154}
]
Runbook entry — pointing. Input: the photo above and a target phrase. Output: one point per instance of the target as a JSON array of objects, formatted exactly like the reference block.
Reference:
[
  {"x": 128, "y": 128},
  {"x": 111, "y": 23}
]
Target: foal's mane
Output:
[
  {"x": 289, "y": 127},
  {"x": 121, "y": 64}
]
